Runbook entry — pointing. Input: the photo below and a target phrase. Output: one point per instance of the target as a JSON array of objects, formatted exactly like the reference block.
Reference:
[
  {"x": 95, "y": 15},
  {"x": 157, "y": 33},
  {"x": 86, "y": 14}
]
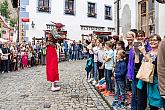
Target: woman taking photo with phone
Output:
[{"x": 139, "y": 97}]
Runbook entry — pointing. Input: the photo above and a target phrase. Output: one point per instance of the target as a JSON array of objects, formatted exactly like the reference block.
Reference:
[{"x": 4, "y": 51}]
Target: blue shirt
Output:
[{"x": 109, "y": 64}]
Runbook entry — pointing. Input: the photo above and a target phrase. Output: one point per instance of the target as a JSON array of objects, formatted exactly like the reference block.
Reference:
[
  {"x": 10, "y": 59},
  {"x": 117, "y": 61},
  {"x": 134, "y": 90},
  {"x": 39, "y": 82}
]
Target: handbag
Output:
[
  {"x": 146, "y": 72},
  {"x": 4, "y": 57}
]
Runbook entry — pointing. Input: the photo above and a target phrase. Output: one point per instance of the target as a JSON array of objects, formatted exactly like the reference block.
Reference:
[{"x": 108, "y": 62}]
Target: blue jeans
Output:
[
  {"x": 108, "y": 75},
  {"x": 5, "y": 65},
  {"x": 120, "y": 90},
  {"x": 70, "y": 55},
  {"x": 80, "y": 56},
  {"x": 95, "y": 71},
  {"x": 134, "y": 96},
  {"x": 74, "y": 55}
]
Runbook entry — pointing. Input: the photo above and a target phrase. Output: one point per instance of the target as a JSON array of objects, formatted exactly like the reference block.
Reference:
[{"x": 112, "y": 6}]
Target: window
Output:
[
  {"x": 3, "y": 32},
  {"x": 147, "y": 16},
  {"x": 11, "y": 34},
  {"x": 69, "y": 7},
  {"x": 91, "y": 10},
  {"x": 108, "y": 14},
  {"x": 44, "y": 6}
]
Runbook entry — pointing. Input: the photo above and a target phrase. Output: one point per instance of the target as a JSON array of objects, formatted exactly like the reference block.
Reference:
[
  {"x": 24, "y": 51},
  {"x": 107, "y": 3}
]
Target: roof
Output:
[{"x": 5, "y": 25}]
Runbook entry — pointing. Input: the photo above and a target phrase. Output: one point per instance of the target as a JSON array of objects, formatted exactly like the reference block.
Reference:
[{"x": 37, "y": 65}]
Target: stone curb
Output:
[{"x": 97, "y": 97}]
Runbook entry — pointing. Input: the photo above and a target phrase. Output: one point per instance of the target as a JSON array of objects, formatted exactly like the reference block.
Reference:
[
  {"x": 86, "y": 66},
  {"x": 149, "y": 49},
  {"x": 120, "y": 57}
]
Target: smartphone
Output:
[{"x": 137, "y": 44}]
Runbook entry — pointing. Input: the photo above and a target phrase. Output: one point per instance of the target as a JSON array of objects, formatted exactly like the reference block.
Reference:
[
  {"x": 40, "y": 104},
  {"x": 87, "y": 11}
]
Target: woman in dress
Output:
[{"x": 52, "y": 63}]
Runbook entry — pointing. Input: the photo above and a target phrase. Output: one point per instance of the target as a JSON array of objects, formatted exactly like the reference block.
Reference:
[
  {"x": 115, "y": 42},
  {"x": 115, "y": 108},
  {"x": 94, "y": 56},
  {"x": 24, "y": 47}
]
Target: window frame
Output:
[
  {"x": 69, "y": 8},
  {"x": 145, "y": 16},
  {"x": 106, "y": 16},
  {"x": 44, "y": 6},
  {"x": 91, "y": 12}
]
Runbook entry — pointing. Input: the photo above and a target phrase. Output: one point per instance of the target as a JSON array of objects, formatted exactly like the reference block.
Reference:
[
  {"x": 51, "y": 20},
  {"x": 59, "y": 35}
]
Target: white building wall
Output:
[
  {"x": 132, "y": 5},
  {"x": 72, "y": 22},
  {"x": 161, "y": 10}
]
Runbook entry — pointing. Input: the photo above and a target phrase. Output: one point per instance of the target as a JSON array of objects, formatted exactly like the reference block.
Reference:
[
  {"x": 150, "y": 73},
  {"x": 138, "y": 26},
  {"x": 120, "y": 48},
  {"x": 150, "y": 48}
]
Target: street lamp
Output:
[
  {"x": 18, "y": 11},
  {"x": 161, "y": 1},
  {"x": 32, "y": 24},
  {"x": 117, "y": 2}
]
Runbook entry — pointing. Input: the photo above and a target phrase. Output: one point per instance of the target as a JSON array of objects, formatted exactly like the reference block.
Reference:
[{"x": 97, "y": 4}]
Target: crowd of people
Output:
[
  {"x": 14, "y": 56},
  {"x": 113, "y": 67}
]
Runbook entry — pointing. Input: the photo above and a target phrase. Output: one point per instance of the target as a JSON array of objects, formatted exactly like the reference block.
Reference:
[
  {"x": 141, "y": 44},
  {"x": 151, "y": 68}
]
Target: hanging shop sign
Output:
[
  {"x": 102, "y": 33},
  {"x": 96, "y": 28},
  {"x": 25, "y": 19}
]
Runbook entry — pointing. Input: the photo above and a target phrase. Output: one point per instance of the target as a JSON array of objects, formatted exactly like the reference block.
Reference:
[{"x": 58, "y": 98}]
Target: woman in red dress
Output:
[{"x": 52, "y": 63}]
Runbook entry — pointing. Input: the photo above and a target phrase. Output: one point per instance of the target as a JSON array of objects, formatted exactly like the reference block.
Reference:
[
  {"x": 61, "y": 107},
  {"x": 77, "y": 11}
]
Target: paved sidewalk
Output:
[{"x": 29, "y": 90}]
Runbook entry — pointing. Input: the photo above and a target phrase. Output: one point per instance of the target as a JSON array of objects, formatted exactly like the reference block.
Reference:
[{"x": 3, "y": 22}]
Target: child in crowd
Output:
[
  {"x": 100, "y": 60},
  {"x": 109, "y": 60},
  {"x": 120, "y": 75},
  {"x": 14, "y": 61},
  {"x": 19, "y": 60},
  {"x": 25, "y": 59},
  {"x": 29, "y": 56}
]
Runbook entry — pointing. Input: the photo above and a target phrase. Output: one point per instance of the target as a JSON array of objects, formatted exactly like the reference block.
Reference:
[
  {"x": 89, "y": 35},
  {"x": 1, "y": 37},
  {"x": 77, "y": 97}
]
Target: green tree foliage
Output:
[
  {"x": 4, "y": 9},
  {"x": 13, "y": 22},
  {"x": 5, "y": 12}
]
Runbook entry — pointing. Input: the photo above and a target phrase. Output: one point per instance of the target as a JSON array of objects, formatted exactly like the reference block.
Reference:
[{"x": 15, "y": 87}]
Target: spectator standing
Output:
[
  {"x": 161, "y": 70},
  {"x": 100, "y": 60},
  {"x": 120, "y": 75},
  {"x": 65, "y": 43},
  {"x": 43, "y": 54},
  {"x": 5, "y": 58},
  {"x": 153, "y": 94},
  {"x": 109, "y": 62},
  {"x": 95, "y": 51},
  {"x": 80, "y": 49},
  {"x": 70, "y": 51}
]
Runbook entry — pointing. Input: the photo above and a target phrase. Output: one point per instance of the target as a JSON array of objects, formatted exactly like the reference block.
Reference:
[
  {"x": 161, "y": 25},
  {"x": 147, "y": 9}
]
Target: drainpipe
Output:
[
  {"x": 118, "y": 20},
  {"x": 18, "y": 21}
]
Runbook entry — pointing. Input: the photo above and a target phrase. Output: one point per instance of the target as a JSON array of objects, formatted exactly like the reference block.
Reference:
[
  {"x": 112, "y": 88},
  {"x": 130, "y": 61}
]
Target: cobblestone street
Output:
[{"x": 29, "y": 90}]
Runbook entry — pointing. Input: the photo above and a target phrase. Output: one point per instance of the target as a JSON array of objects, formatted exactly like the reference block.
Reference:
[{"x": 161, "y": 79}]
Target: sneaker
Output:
[
  {"x": 97, "y": 85},
  {"x": 120, "y": 105},
  {"x": 107, "y": 94},
  {"x": 3, "y": 72},
  {"x": 114, "y": 103},
  {"x": 94, "y": 82},
  {"x": 104, "y": 92},
  {"x": 55, "y": 89},
  {"x": 90, "y": 80}
]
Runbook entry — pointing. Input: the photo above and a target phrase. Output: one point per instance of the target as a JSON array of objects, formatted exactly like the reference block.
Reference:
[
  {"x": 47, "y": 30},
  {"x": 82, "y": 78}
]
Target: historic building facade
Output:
[
  {"x": 78, "y": 17},
  {"x": 147, "y": 15}
]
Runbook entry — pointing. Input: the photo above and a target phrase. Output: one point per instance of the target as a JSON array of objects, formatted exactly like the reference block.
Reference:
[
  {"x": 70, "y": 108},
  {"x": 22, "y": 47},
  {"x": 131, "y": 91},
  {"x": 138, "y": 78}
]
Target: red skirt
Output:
[{"x": 51, "y": 64}]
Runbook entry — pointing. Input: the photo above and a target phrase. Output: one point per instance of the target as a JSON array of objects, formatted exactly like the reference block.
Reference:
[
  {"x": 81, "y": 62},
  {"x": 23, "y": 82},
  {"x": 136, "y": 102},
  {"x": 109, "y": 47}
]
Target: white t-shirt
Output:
[
  {"x": 95, "y": 51},
  {"x": 101, "y": 55}
]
